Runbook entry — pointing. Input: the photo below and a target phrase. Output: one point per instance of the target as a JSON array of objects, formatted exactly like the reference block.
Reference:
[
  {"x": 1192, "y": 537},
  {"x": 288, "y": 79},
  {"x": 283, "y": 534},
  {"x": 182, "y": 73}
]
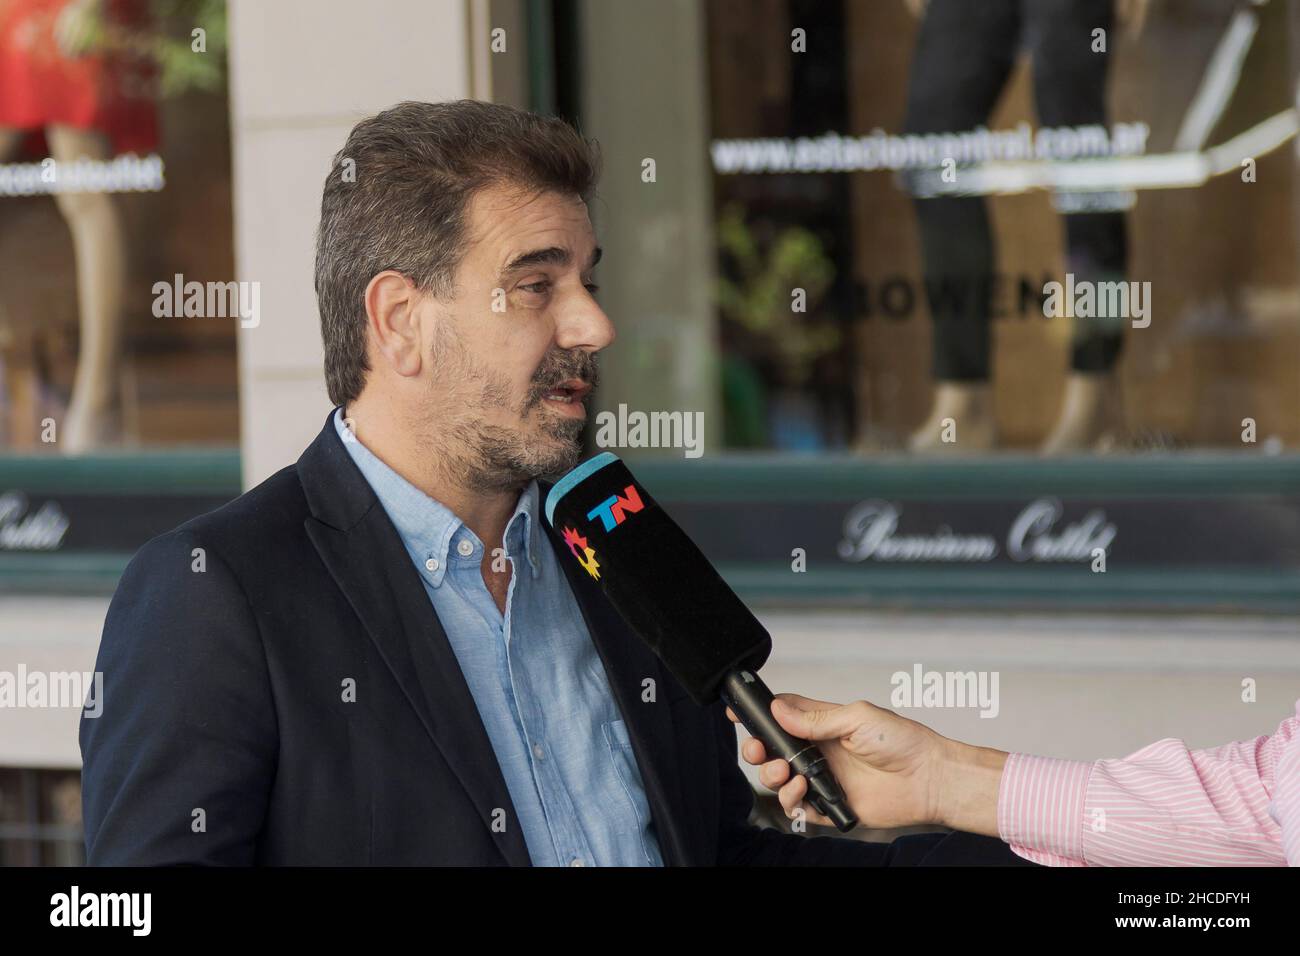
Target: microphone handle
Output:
[{"x": 750, "y": 700}]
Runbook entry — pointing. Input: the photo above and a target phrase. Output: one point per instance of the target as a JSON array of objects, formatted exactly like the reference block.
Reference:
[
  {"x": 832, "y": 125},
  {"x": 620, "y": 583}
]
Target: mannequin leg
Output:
[
  {"x": 92, "y": 419},
  {"x": 18, "y": 395},
  {"x": 1089, "y": 415},
  {"x": 964, "y": 54},
  {"x": 969, "y": 408},
  {"x": 1069, "y": 90}
]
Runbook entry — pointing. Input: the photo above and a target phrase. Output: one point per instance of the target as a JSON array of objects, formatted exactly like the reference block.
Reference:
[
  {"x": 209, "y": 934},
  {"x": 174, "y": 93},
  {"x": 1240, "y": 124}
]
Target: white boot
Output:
[
  {"x": 1089, "y": 417},
  {"x": 89, "y": 428},
  {"x": 963, "y": 413}
]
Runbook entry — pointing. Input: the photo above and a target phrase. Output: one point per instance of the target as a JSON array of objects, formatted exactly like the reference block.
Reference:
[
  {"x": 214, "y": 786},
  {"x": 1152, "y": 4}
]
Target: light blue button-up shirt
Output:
[{"x": 536, "y": 678}]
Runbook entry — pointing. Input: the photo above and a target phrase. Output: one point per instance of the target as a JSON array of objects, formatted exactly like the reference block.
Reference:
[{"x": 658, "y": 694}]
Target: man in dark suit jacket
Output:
[{"x": 281, "y": 686}]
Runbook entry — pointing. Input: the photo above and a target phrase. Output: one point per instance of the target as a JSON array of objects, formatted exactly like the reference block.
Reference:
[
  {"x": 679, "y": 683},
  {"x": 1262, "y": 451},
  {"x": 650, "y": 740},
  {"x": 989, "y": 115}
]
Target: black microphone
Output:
[{"x": 668, "y": 593}]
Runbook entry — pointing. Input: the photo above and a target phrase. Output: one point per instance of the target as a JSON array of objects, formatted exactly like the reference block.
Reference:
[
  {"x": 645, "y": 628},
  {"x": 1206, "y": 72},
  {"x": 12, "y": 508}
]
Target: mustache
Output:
[{"x": 561, "y": 366}]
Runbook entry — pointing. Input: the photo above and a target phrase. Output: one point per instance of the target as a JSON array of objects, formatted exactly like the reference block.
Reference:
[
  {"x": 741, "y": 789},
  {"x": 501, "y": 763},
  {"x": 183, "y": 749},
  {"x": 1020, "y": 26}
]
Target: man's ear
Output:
[{"x": 392, "y": 320}]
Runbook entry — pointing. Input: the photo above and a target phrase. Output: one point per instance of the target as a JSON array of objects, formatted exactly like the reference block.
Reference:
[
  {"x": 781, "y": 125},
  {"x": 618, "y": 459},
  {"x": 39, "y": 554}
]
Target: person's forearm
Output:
[{"x": 968, "y": 785}]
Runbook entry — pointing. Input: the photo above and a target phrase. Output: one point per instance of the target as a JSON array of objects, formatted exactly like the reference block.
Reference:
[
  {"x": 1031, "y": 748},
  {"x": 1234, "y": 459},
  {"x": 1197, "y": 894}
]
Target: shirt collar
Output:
[
  {"x": 526, "y": 512},
  {"x": 427, "y": 527}
]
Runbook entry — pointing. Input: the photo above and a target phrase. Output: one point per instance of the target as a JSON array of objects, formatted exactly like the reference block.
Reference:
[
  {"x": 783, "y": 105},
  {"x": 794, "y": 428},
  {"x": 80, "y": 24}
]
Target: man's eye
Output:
[{"x": 543, "y": 285}]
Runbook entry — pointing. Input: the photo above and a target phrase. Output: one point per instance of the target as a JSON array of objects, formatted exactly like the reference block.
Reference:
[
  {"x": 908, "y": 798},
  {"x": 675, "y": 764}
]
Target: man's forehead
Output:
[
  {"x": 515, "y": 233},
  {"x": 509, "y": 224}
]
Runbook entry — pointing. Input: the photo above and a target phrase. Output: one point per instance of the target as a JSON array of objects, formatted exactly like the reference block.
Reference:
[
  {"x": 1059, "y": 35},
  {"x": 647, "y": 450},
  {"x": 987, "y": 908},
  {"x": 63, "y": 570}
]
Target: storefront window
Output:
[
  {"x": 979, "y": 302},
  {"x": 114, "y": 195},
  {"x": 1012, "y": 225}
]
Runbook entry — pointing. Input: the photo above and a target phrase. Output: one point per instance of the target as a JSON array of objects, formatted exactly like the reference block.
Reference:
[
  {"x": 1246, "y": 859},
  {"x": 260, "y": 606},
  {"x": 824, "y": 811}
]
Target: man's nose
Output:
[{"x": 584, "y": 325}]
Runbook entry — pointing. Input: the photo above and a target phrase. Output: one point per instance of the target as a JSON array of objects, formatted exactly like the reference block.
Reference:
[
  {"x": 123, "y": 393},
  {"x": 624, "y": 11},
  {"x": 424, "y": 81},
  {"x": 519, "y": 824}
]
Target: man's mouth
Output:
[
  {"x": 566, "y": 398},
  {"x": 571, "y": 392}
]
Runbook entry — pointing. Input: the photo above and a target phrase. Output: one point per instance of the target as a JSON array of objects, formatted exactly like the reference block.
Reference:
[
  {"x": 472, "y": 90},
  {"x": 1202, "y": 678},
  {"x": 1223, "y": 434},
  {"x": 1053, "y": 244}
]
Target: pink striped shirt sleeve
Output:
[{"x": 1165, "y": 805}]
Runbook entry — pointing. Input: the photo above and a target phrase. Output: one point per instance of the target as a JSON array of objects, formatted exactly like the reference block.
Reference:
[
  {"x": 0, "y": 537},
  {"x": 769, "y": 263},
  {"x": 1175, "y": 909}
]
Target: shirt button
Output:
[
  {"x": 577, "y": 862},
  {"x": 465, "y": 548},
  {"x": 431, "y": 564},
  {"x": 539, "y": 751}
]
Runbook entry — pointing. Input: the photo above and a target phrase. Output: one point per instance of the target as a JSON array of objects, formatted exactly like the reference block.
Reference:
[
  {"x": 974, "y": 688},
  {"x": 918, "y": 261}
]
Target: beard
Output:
[{"x": 478, "y": 454}]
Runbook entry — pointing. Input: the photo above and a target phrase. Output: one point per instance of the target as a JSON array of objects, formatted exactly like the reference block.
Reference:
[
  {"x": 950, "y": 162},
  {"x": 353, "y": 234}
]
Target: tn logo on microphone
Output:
[{"x": 613, "y": 511}]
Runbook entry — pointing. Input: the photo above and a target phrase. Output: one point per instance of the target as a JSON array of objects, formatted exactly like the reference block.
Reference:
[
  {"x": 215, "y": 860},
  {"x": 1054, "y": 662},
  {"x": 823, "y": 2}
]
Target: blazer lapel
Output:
[
  {"x": 628, "y": 662},
  {"x": 366, "y": 558}
]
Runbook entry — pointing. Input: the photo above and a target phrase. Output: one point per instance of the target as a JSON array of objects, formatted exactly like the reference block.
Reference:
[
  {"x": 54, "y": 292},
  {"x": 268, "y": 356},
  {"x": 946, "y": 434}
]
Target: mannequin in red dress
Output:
[{"x": 83, "y": 105}]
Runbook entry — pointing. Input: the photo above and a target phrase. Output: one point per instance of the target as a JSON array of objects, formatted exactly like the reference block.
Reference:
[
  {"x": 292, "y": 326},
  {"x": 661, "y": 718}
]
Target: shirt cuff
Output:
[
  {"x": 1285, "y": 806},
  {"x": 1041, "y": 807}
]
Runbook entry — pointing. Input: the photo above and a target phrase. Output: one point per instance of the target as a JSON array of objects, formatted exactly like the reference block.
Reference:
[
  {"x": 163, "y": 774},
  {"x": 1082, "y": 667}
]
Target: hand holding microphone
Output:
[{"x": 895, "y": 772}]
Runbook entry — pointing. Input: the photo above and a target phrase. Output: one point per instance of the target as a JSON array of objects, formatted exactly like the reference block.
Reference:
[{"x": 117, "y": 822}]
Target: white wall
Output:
[
  {"x": 302, "y": 73},
  {"x": 47, "y": 635}
]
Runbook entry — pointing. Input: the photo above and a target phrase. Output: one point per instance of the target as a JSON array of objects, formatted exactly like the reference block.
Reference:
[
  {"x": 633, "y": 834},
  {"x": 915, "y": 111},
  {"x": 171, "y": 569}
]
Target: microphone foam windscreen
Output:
[{"x": 655, "y": 576}]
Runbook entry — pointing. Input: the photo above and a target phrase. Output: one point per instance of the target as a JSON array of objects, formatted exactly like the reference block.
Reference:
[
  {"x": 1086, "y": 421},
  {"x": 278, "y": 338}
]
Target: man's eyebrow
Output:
[{"x": 550, "y": 256}]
